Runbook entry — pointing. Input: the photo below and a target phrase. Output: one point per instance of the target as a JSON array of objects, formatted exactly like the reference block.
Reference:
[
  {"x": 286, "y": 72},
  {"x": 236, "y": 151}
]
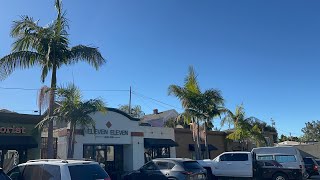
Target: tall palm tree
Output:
[
  {"x": 189, "y": 89},
  {"x": 202, "y": 106},
  {"x": 48, "y": 48},
  {"x": 207, "y": 106},
  {"x": 74, "y": 111}
]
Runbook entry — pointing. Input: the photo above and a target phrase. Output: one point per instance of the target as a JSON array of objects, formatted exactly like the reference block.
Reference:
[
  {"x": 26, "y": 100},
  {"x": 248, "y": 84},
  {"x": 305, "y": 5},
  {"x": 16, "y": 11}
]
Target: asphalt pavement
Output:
[{"x": 315, "y": 177}]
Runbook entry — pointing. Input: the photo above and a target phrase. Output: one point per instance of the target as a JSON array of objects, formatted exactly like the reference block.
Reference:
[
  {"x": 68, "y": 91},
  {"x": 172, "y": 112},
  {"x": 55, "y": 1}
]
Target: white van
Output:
[{"x": 287, "y": 156}]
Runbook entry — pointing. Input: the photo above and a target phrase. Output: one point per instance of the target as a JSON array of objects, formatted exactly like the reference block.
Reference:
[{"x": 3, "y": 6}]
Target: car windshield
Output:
[
  {"x": 85, "y": 172},
  {"x": 190, "y": 165}
]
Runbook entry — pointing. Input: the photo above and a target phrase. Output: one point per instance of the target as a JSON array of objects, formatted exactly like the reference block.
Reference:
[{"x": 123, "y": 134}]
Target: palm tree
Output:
[
  {"x": 135, "y": 111},
  {"x": 207, "y": 106},
  {"x": 184, "y": 93},
  {"x": 74, "y": 111},
  {"x": 48, "y": 48},
  {"x": 244, "y": 130},
  {"x": 202, "y": 106}
]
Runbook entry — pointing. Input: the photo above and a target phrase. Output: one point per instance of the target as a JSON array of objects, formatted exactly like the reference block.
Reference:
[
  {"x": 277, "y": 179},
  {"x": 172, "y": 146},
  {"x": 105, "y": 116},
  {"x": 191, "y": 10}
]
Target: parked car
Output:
[
  {"x": 241, "y": 164},
  {"x": 311, "y": 166},
  {"x": 55, "y": 169},
  {"x": 3, "y": 176},
  {"x": 270, "y": 169},
  {"x": 287, "y": 156},
  {"x": 169, "y": 168}
]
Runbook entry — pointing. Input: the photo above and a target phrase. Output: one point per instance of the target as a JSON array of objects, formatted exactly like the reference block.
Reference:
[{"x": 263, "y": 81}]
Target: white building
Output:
[{"x": 118, "y": 142}]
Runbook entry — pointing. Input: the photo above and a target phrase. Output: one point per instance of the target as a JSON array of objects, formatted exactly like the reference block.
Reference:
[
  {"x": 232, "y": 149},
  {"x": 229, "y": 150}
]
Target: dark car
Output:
[
  {"x": 311, "y": 166},
  {"x": 270, "y": 169},
  {"x": 3, "y": 176},
  {"x": 169, "y": 168}
]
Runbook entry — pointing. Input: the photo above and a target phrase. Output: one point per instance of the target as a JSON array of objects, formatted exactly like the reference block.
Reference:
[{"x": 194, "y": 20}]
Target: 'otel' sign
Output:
[{"x": 12, "y": 130}]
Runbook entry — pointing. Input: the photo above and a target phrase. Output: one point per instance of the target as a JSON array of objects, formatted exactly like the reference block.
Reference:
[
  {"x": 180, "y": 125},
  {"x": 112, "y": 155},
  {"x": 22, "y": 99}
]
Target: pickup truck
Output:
[{"x": 243, "y": 165}]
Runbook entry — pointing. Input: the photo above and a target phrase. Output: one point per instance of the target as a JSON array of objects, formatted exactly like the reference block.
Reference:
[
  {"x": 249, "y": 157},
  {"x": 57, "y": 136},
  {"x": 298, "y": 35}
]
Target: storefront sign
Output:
[
  {"x": 108, "y": 132},
  {"x": 12, "y": 130}
]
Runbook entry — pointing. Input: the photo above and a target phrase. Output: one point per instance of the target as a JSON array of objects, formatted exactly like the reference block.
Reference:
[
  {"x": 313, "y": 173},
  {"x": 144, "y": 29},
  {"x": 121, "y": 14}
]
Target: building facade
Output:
[
  {"x": 118, "y": 142},
  {"x": 19, "y": 138}
]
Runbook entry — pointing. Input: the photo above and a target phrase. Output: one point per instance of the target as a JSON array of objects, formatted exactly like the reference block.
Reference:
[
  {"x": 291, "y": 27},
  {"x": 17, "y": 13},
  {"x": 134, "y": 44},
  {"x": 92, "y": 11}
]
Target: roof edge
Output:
[{"x": 123, "y": 113}]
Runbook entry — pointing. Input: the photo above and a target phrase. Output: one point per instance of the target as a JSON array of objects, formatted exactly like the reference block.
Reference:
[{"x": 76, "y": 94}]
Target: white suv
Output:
[{"x": 57, "y": 169}]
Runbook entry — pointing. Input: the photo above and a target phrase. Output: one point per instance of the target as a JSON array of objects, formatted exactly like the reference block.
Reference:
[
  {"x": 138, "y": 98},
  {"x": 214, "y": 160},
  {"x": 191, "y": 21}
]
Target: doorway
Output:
[{"x": 110, "y": 157}]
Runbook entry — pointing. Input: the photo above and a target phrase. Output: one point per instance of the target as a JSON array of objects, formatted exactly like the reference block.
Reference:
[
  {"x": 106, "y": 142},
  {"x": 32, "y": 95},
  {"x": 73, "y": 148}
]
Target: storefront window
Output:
[
  {"x": 110, "y": 153},
  {"x": 152, "y": 153}
]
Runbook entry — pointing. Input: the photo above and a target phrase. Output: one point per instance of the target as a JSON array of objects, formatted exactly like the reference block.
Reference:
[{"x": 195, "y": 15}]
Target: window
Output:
[
  {"x": 265, "y": 157},
  {"x": 15, "y": 173},
  {"x": 163, "y": 152},
  {"x": 308, "y": 161},
  {"x": 171, "y": 165},
  {"x": 150, "y": 166},
  {"x": 32, "y": 172},
  {"x": 191, "y": 165},
  {"x": 85, "y": 172},
  {"x": 234, "y": 157},
  {"x": 51, "y": 172},
  {"x": 162, "y": 165},
  {"x": 285, "y": 158}
]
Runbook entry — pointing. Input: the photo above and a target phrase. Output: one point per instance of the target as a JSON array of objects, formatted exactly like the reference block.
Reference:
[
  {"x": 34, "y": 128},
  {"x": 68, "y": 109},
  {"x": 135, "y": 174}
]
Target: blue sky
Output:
[{"x": 264, "y": 54}]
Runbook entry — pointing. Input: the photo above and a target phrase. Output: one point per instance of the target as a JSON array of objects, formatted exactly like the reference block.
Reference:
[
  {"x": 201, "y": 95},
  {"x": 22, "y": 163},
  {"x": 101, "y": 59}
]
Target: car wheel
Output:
[{"x": 279, "y": 176}]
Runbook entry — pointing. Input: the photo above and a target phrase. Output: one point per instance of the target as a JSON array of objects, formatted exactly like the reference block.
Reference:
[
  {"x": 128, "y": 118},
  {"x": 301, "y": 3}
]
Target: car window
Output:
[
  {"x": 85, "y": 172},
  {"x": 285, "y": 158},
  {"x": 149, "y": 166},
  {"x": 190, "y": 165},
  {"x": 162, "y": 165},
  {"x": 51, "y": 172},
  {"x": 32, "y": 172},
  {"x": 171, "y": 165},
  {"x": 234, "y": 157},
  {"x": 265, "y": 157},
  {"x": 15, "y": 173}
]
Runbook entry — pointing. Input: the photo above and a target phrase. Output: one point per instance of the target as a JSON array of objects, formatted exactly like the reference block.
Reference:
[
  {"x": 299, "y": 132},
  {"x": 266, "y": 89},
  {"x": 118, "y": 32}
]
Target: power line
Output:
[
  {"x": 34, "y": 89},
  {"x": 146, "y": 97}
]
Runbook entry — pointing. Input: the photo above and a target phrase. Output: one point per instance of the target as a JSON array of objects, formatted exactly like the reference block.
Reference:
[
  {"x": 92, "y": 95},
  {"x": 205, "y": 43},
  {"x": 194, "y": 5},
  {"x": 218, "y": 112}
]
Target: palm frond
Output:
[
  {"x": 19, "y": 60},
  {"x": 43, "y": 98},
  {"x": 89, "y": 54},
  {"x": 191, "y": 82}
]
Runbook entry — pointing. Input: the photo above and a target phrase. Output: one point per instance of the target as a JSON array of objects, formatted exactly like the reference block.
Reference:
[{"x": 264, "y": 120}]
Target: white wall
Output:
[{"x": 133, "y": 146}]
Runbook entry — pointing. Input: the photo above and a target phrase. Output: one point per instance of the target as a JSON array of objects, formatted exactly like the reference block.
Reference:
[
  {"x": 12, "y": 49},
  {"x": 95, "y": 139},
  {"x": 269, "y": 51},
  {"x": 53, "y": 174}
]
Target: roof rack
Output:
[{"x": 48, "y": 160}]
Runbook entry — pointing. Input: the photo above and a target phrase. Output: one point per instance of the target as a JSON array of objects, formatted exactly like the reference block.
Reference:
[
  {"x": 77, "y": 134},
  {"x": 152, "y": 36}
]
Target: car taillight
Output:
[
  {"x": 108, "y": 178},
  {"x": 187, "y": 173},
  {"x": 315, "y": 167},
  {"x": 300, "y": 166}
]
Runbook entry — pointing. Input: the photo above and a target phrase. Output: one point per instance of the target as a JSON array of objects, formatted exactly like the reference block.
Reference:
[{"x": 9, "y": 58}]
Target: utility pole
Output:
[{"x": 129, "y": 102}]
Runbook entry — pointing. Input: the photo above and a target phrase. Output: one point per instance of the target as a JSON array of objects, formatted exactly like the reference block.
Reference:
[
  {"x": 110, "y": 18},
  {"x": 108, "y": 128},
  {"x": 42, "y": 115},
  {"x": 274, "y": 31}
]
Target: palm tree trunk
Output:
[
  {"x": 195, "y": 139},
  {"x": 206, "y": 140},
  {"x": 198, "y": 139},
  {"x": 50, "y": 153},
  {"x": 71, "y": 141}
]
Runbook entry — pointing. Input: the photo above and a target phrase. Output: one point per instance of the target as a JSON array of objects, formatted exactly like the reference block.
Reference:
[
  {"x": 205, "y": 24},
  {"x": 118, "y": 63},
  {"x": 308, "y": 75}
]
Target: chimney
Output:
[{"x": 155, "y": 111}]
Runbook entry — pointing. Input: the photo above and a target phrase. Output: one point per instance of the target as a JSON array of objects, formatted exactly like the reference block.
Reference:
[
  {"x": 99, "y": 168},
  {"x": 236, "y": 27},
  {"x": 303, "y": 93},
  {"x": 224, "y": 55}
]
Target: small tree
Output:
[{"x": 75, "y": 111}]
